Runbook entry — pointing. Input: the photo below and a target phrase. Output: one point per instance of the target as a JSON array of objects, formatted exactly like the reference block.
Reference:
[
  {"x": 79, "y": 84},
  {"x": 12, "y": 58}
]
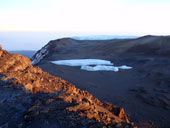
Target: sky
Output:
[{"x": 120, "y": 17}]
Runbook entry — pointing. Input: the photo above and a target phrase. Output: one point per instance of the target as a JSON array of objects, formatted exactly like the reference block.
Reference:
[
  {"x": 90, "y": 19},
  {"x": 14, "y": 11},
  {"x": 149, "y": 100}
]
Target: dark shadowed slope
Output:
[
  {"x": 49, "y": 101},
  {"x": 143, "y": 91}
]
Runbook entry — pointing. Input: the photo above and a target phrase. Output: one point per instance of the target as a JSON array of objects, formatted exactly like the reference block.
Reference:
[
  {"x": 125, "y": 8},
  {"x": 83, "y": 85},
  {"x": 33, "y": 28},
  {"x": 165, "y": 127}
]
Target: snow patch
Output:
[
  {"x": 40, "y": 55},
  {"x": 125, "y": 67},
  {"x": 103, "y": 37},
  {"x": 86, "y": 64},
  {"x": 100, "y": 68},
  {"x": 81, "y": 62}
]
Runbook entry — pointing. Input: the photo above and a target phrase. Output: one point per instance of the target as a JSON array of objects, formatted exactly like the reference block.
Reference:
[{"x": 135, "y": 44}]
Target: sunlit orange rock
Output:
[{"x": 34, "y": 80}]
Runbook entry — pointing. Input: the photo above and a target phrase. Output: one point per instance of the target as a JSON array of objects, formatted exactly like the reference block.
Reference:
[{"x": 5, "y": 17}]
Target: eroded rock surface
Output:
[{"x": 49, "y": 101}]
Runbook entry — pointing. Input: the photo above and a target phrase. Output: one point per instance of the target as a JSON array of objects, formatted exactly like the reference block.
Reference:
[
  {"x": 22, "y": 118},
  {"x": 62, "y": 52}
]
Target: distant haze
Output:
[
  {"x": 45, "y": 20},
  {"x": 36, "y": 40},
  {"x": 27, "y": 40},
  {"x": 122, "y": 17}
]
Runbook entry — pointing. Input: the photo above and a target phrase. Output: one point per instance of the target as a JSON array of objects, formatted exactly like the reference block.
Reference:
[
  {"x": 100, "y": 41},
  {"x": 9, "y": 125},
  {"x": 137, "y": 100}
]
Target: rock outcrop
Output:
[
  {"x": 55, "y": 98},
  {"x": 146, "y": 45}
]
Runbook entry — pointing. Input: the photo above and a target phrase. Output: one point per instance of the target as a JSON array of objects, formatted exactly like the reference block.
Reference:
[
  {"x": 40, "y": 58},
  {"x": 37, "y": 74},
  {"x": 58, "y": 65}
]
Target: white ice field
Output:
[{"x": 91, "y": 64}]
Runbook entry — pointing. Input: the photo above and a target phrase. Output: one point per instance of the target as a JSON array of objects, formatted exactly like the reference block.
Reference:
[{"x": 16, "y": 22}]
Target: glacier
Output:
[{"x": 91, "y": 64}]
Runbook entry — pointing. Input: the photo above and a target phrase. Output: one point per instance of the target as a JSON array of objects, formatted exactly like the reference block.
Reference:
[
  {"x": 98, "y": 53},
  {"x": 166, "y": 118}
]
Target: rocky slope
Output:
[
  {"x": 38, "y": 99},
  {"x": 144, "y": 91},
  {"x": 147, "y": 45}
]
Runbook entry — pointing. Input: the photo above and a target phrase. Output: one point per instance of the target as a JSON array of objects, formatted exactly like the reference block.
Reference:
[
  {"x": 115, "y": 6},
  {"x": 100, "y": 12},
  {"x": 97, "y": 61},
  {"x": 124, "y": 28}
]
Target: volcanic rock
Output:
[
  {"x": 148, "y": 81},
  {"x": 49, "y": 101},
  {"x": 146, "y": 45}
]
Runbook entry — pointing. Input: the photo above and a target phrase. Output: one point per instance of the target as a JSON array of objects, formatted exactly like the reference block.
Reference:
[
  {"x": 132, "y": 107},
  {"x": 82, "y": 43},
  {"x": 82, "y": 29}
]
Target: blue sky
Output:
[
  {"x": 132, "y": 17},
  {"x": 40, "y": 4},
  {"x": 9, "y": 5}
]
